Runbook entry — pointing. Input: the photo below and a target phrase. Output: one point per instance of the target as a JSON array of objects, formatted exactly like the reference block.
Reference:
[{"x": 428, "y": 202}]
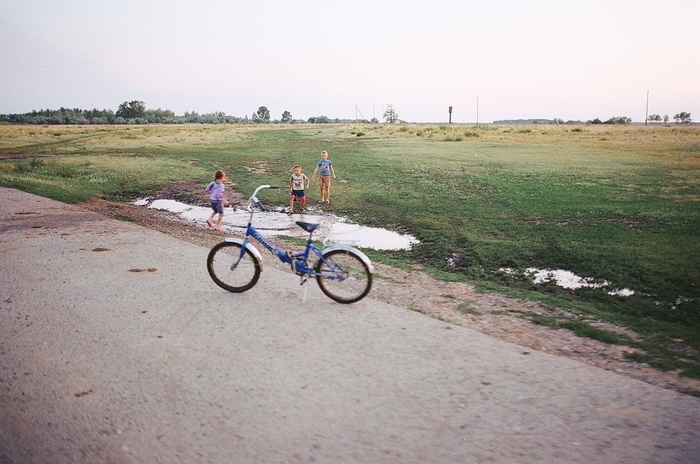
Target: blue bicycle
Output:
[{"x": 342, "y": 272}]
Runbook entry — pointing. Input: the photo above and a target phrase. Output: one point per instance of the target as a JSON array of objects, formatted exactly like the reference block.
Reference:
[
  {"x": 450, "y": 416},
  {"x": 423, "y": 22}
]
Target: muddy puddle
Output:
[
  {"x": 332, "y": 227},
  {"x": 339, "y": 229},
  {"x": 567, "y": 279}
]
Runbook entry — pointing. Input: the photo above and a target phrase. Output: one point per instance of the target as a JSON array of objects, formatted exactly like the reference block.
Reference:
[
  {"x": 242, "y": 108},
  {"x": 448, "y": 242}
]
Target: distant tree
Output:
[
  {"x": 654, "y": 118},
  {"x": 159, "y": 116},
  {"x": 390, "y": 115},
  {"x": 619, "y": 120},
  {"x": 666, "y": 118},
  {"x": 286, "y": 116},
  {"x": 683, "y": 118},
  {"x": 319, "y": 120},
  {"x": 262, "y": 115},
  {"x": 131, "y": 110},
  {"x": 613, "y": 120}
]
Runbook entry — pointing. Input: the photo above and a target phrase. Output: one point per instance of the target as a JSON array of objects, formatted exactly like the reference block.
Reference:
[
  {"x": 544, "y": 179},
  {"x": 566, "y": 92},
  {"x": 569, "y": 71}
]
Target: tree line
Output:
[{"x": 135, "y": 112}]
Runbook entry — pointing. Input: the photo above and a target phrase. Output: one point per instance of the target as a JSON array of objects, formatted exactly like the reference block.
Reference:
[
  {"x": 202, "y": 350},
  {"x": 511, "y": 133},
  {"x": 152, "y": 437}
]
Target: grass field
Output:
[{"x": 619, "y": 204}]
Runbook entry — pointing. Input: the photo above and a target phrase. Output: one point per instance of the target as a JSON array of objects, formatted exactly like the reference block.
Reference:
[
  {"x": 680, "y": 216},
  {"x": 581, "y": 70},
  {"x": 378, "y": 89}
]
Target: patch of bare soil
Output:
[{"x": 456, "y": 303}]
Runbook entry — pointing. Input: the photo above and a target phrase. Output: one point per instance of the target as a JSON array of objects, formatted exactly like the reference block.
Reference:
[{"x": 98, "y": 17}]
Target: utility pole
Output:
[
  {"x": 450, "y": 110},
  {"x": 646, "y": 115},
  {"x": 477, "y": 110}
]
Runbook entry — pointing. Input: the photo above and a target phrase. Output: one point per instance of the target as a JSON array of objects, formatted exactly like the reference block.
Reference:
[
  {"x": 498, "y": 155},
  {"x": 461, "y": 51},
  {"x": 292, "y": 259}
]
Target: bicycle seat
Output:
[{"x": 307, "y": 226}]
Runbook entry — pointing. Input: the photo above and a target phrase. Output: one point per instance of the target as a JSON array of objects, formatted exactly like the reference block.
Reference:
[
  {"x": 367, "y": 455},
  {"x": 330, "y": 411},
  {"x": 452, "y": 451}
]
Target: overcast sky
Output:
[{"x": 567, "y": 59}]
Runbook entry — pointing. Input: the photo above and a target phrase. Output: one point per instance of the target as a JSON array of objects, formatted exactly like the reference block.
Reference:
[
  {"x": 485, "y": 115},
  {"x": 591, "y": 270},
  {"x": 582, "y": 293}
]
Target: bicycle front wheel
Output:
[
  {"x": 343, "y": 276},
  {"x": 230, "y": 273}
]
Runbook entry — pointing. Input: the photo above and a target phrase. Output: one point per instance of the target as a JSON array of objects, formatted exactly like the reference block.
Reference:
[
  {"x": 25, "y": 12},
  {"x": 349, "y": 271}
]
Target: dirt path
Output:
[
  {"x": 457, "y": 303},
  {"x": 102, "y": 363}
]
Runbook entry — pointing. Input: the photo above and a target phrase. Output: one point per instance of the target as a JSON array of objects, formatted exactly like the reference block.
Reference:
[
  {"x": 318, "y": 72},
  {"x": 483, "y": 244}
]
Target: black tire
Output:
[
  {"x": 356, "y": 278},
  {"x": 239, "y": 279}
]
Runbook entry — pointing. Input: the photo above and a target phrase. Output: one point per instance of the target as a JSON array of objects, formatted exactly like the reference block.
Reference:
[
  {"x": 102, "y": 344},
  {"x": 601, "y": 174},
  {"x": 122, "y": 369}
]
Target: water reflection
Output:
[{"x": 331, "y": 227}]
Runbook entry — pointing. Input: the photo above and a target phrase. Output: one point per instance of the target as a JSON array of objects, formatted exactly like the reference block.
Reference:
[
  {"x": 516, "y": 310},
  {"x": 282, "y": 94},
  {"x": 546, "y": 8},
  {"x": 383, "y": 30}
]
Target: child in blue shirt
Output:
[{"x": 324, "y": 168}]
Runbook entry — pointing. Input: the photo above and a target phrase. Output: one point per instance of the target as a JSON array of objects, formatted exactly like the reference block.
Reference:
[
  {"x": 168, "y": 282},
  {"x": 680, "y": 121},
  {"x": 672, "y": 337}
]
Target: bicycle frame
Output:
[{"x": 299, "y": 260}]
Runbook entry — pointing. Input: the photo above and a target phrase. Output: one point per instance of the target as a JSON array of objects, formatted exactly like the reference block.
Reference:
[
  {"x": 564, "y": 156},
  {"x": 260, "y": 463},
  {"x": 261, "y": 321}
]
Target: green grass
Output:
[
  {"x": 580, "y": 328},
  {"x": 620, "y": 204}
]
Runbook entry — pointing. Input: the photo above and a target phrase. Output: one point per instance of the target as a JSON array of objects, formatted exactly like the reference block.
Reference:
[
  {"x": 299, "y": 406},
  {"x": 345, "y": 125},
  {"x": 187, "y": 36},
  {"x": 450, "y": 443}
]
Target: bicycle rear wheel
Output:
[
  {"x": 236, "y": 279},
  {"x": 343, "y": 276}
]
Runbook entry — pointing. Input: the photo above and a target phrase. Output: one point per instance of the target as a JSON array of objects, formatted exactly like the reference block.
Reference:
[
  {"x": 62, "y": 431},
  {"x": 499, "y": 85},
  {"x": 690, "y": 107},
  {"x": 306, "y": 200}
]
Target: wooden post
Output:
[{"x": 450, "y": 114}]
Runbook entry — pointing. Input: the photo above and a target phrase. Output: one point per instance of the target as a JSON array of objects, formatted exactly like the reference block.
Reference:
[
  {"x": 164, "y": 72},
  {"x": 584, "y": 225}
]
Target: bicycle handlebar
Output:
[
  {"x": 264, "y": 186},
  {"x": 254, "y": 198}
]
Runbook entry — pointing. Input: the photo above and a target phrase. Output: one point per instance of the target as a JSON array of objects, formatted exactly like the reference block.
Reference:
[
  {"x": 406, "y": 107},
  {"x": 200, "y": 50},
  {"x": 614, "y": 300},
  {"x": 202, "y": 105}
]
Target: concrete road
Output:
[{"x": 102, "y": 364}]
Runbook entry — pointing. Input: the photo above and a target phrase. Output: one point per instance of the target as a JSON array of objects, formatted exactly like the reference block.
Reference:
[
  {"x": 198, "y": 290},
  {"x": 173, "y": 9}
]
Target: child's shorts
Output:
[
  {"x": 218, "y": 207},
  {"x": 324, "y": 181},
  {"x": 297, "y": 194}
]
